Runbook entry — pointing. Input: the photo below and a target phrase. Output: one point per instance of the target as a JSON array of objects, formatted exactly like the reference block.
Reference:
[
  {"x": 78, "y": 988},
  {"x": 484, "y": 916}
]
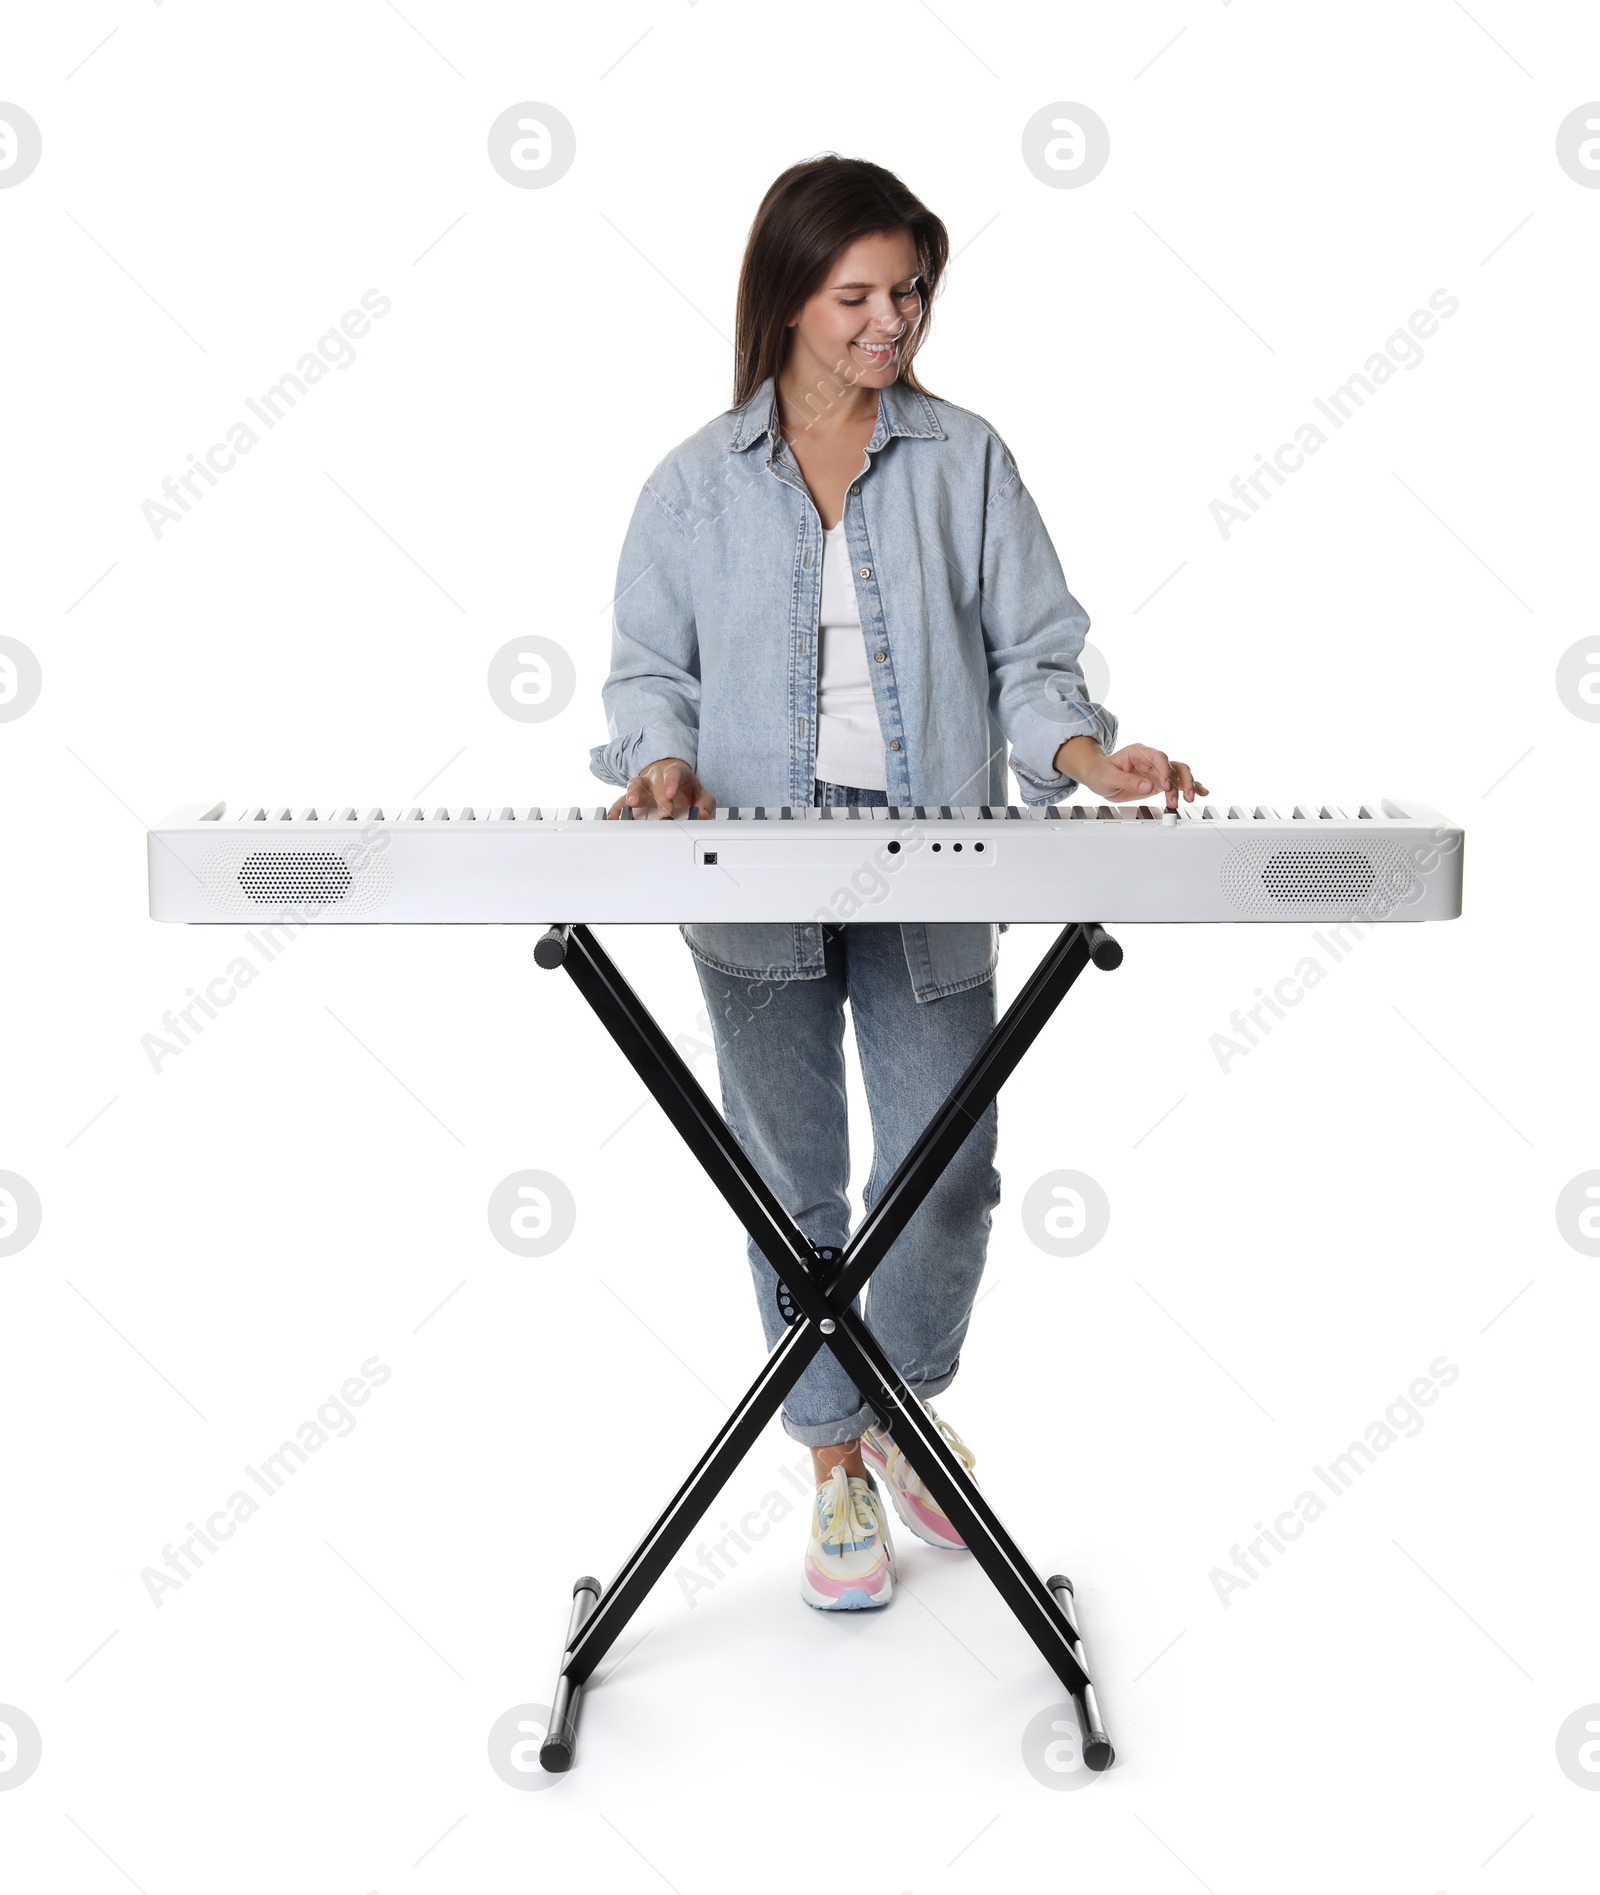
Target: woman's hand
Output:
[
  {"x": 1127, "y": 774},
  {"x": 667, "y": 787}
]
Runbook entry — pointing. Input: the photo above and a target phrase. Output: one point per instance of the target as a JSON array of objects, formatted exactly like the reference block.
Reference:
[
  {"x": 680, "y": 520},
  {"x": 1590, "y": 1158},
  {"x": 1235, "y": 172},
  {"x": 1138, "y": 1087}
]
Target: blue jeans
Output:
[{"x": 780, "y": 1059}]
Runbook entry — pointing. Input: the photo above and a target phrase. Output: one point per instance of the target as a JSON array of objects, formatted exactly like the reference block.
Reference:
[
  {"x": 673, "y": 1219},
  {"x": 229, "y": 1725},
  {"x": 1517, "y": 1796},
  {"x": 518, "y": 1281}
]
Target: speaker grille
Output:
[
  {"x": 295, "y": 875},
  {"x": 238, "y": 880},
  {"x": 1270, "y": 877}
]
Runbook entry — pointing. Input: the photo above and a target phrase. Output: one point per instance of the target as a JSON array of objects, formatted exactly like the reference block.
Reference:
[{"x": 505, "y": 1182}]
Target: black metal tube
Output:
[
  {"x": 1097, "y": 1751},
  {"x": 561, "y": 1733}
]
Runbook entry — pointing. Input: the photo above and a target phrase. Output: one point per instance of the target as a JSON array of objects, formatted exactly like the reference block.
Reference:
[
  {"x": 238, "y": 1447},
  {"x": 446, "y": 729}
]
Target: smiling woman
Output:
[{"x": 867, "y": 613}]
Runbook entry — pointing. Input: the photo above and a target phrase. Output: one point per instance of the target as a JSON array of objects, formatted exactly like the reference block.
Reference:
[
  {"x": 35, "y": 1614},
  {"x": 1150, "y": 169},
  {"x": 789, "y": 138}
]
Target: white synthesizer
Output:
[{"x": 1383, "y": 861}]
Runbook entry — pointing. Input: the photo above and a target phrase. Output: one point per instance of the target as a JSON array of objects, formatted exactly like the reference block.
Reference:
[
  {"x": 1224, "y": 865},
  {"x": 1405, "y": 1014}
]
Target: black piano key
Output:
[
  {"x": 986, "y": 813},
  {"x": 1053, "y": 812},
  {"x": 1013, "y": 812},
  {"x": 786, "y": 813}
]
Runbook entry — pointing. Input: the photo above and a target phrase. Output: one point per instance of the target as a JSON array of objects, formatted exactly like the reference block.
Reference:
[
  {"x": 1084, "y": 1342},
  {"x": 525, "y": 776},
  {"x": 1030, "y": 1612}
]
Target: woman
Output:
[{"x": 840, "y": 592}]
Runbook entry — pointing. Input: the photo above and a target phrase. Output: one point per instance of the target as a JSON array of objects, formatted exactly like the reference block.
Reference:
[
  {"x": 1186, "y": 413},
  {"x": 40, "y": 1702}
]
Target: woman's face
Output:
[{"x": 856, "y": 325}]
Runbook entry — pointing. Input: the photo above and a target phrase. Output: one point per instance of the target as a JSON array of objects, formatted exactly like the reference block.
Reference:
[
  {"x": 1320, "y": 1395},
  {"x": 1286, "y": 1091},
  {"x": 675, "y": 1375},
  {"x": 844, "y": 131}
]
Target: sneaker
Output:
[
  {"x": 912, "y": 1501},
  {"x": 849, "y": 1565}
]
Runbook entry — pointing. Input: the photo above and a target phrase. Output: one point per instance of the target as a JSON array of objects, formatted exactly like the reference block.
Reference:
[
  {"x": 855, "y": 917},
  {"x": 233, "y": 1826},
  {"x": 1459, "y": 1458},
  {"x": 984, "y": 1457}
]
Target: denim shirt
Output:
[{"x": 971, "y": 629}]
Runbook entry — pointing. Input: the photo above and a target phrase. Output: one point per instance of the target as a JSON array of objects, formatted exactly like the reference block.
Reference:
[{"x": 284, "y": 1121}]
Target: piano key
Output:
[{"x": 306, "y": 815}]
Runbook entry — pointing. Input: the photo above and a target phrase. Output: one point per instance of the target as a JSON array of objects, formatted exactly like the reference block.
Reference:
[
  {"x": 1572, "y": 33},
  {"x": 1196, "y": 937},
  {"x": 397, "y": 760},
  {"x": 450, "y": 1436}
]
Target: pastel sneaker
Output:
[
  {"x": 912, "y": 1501},
  {"x": 849, "y": 1565}
]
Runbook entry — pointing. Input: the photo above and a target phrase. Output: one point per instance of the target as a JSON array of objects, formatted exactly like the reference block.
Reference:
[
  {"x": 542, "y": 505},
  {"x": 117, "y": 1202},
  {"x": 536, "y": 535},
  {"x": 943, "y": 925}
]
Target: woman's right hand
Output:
[{"x": 667, "y": 787}]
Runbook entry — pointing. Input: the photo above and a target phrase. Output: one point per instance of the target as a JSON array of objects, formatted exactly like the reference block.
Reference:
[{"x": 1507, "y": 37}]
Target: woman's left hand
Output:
[{"x": 1138, "y": 770}]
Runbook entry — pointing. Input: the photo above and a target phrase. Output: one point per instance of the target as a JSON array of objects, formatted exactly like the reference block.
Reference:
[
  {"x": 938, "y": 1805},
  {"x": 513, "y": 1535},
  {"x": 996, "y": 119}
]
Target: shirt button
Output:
[
  {"x": 880, "y": 656},
  {"x": 866, "y": 572},
  {"x": 894, "y": 743},
  {"x": 855, "y": 490}
]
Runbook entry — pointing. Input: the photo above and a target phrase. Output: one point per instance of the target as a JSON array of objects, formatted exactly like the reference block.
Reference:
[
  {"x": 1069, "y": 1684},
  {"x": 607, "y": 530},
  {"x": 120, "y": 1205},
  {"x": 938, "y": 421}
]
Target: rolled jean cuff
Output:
[{"x": 830, "y": 1434}]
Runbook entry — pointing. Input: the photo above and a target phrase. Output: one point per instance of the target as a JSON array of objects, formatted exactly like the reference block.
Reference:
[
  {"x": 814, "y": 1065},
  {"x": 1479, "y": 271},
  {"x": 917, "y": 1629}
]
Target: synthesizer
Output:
[{"x": 1078, "y": 861}]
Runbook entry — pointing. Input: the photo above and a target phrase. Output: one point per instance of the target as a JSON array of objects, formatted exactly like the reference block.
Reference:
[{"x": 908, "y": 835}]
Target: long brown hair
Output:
[{"x": 810, "y": 213}]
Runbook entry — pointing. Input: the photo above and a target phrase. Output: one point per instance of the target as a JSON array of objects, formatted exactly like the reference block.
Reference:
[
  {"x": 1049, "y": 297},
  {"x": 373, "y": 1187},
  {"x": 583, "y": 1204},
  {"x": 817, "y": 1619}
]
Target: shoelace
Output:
[
  {"x": 953, "y": 1441},
  {"x": 847, "y": 1518}
]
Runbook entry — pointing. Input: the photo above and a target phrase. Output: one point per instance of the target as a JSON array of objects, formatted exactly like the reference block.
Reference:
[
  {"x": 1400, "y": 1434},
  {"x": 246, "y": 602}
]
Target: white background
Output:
[{"x": 225, "y": 1241}]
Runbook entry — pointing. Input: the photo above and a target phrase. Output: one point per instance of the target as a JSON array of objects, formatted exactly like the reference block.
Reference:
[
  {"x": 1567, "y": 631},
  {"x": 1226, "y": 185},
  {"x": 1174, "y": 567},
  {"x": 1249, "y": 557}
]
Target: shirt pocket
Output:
[
  {"x": 757, "y": 950},
  {"x": 948, "y": 957}
]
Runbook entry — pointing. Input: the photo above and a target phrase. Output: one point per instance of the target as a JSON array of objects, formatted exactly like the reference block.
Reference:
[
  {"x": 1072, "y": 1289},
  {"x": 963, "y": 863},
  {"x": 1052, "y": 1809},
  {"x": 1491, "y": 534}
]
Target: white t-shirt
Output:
[{"x": 849, "y": 737}]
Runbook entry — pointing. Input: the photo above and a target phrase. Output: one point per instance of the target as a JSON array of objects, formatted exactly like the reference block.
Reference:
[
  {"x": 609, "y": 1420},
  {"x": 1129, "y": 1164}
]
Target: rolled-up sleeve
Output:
[
  {"x": 1033, "y": 631},
  {"x": 652, "y": 693}
]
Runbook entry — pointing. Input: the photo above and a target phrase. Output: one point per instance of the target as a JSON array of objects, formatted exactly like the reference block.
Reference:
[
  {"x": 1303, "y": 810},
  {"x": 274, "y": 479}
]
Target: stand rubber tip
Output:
[
  {"x": 555, "y": 1755},
  {"x": 586, "y": 1584},
  {"x": 1097, "y": 1754},
  {"x": 1062, "y": 1581}
]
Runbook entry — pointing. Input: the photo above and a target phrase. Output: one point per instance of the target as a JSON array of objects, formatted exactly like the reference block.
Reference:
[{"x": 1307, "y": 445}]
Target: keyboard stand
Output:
[{"x": 822, "y": 1285}]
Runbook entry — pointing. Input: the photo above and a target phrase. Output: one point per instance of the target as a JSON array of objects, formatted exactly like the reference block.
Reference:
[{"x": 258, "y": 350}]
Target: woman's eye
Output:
[{"x": 855, "y": 302}]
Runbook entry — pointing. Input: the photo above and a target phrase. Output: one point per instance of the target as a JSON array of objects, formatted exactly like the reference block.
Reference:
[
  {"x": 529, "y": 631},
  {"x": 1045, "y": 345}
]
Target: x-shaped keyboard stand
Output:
[{"x": 822, "y": 1285}]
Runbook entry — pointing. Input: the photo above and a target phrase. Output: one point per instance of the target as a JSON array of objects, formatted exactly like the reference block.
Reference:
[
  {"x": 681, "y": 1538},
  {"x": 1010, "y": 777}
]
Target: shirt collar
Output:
[{"x": 901, "y": 410}]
